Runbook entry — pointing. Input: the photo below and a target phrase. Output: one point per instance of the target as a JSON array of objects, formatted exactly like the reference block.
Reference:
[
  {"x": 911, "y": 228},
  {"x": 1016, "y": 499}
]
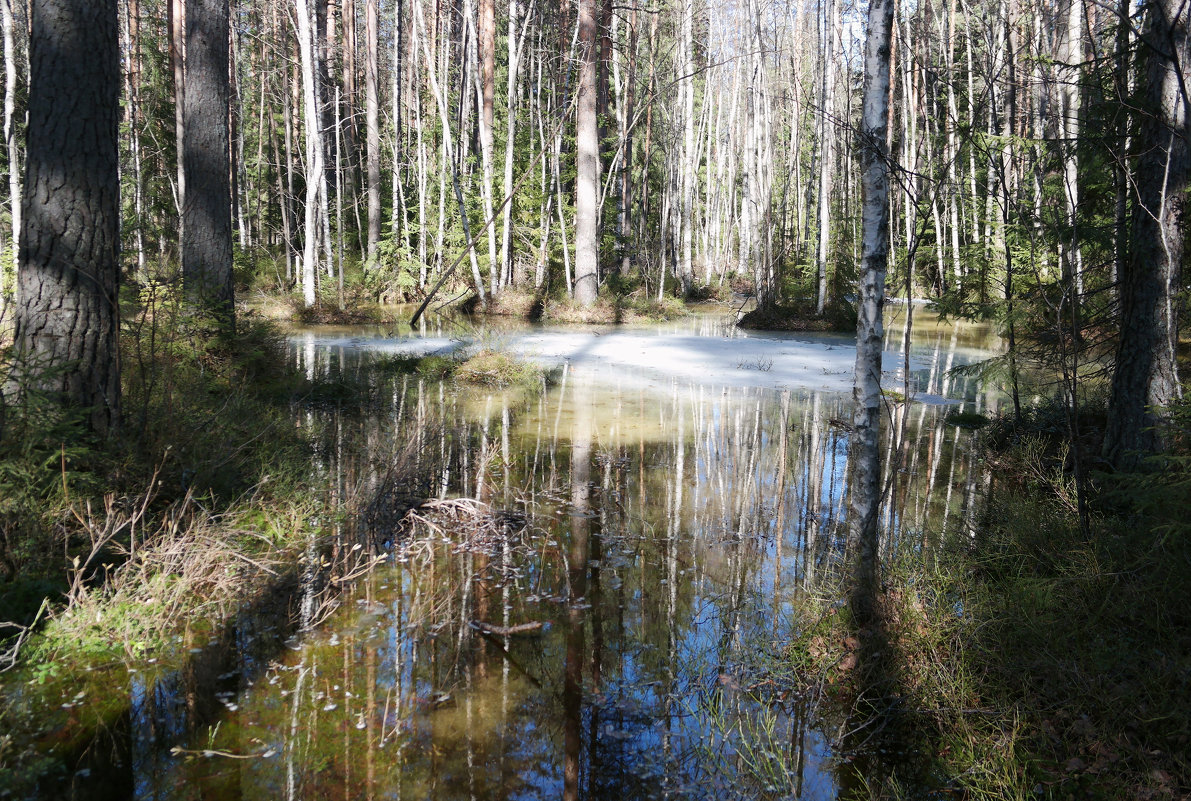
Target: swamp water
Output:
[{"x": 593, "y": 599}]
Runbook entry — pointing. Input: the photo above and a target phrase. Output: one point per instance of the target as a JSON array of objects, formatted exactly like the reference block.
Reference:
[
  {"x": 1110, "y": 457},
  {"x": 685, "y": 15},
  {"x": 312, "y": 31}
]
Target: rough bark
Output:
[
  {"x": 865, "y": 459},
  {"x": 68, "y": 316},
  {"x": 1145, "y": 377},
  {"x": 588, "y": 154},
  {"x": 206, "y": 161}
]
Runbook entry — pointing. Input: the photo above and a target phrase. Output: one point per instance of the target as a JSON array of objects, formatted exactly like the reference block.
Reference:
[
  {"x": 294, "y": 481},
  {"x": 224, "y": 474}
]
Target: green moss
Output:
[
  {"x": 494, "y": 368},
  {"x": 972, "y": 420}
]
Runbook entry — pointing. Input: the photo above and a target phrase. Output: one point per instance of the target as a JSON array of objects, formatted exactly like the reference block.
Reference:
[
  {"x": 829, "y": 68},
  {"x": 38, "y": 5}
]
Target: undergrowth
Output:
[
  {"x": 109, "y": 549},
  {"x": 1033, "y": 661}
]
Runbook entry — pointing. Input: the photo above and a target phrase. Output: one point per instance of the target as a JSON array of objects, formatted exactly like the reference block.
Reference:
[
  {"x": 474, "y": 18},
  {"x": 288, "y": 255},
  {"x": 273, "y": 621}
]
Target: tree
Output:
[
  {"x": 865, "y": 458},
  {"x": 316, "y": 175},
  {"x": 587, "y": 188},
  {"x": 1145, "y": 377},
  {"x": 10, "y": 131},
  {"x": 68, "y": 316},
  {"x": 206, "y": 161},
  {"x": 372, "y": 120}
]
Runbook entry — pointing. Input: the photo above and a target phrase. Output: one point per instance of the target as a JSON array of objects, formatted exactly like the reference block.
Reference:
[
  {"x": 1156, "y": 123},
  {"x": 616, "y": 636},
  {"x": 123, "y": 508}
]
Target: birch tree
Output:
[
  {"x": 587, "y": 184},
  {"x": 316, "y": 174},
  {"x": 864, "y": 483},
  {"x": 10, "y": 136}
]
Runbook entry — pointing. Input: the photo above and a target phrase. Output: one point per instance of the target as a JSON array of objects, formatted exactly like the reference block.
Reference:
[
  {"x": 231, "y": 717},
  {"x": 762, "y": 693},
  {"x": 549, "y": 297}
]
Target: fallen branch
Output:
[
  {"x": 507, "y": 631},
  {"x": 8, "y": 659}
]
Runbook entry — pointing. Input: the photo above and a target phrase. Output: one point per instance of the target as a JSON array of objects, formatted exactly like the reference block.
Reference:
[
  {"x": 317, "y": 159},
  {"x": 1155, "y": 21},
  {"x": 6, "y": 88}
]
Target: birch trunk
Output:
[
  {"x": 372, "y": 121},
  {"x": 864, "y": 480},
  {"x": 587, "y": 184},
  {"x": 10, "y": 140},
  {"x": 826, "y": 105},
  {"x": 316, "y": 175}
]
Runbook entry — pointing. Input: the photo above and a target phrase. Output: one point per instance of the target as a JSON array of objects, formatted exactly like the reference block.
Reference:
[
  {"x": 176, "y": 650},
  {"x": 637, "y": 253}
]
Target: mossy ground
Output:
[{"x": 610, "y": 308}]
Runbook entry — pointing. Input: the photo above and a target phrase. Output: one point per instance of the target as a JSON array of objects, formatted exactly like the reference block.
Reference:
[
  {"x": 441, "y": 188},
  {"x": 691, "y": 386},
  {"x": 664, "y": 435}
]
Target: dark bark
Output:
[
  {"x": 68, "y": 319},
  {"x": 1145, "y": 377},
  {"x": 206, "y": 207}
]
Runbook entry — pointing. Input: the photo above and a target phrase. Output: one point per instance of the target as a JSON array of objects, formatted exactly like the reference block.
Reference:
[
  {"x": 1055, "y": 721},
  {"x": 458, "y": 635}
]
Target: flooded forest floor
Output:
[{"x": 602, "y": 563}]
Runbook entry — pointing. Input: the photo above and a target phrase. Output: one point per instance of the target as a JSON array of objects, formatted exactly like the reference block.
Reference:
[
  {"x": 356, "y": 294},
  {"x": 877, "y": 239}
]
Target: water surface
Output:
[{"x": 595, "y": 599}]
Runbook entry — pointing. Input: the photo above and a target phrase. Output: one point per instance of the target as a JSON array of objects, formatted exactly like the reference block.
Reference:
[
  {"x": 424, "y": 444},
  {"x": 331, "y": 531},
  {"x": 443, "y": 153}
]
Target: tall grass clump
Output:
[{"x": 204, "y": 426}]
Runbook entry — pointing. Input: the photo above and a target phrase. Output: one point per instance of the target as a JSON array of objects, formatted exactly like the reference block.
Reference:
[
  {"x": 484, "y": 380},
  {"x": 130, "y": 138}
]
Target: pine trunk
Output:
[
  {"x": 206, "y": 206},
  {"x": 1145, "y": 378},
  {"x": 68, "y": 318}
]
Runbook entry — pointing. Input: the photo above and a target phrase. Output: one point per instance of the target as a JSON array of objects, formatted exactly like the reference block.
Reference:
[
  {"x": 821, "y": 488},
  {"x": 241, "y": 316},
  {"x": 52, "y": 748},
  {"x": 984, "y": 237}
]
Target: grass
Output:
[
  {"x": 1034, "y": 661},
  {"x": 494, "y": 368},
  {"x": 972, "y": 420},
  {"x": 127, "y": 549},
  {"x": 839, "y": 316}
]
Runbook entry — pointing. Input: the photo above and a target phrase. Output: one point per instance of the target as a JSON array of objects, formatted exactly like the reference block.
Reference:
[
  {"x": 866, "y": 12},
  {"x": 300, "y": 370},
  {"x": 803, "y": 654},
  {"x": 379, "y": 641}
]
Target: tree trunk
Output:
[
  {"x": 176, "y": 21},
  {"x": 315, "y": 169},
  {"x": 10, "y": 139},
  {"x": 206, "y": 206},
  {"x": 864, "y": 481},
  {"x": 1145, "y": 377},
  {"x": 68, "y": 318},
  {"x": 372, "y": 121},
  {"x": 506, "y": 228},
  {"x": 587, "y": 184},
  {"x": 826, "y": 103}
]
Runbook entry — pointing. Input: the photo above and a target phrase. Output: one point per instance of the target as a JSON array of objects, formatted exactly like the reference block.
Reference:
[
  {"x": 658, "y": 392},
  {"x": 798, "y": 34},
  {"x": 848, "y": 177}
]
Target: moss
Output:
[
  {"x": 839, "y": 316},
  {"x": 971, "y": 420},
  {"x": 493, "y": 368},
  {"x": 610, "y": 308}
]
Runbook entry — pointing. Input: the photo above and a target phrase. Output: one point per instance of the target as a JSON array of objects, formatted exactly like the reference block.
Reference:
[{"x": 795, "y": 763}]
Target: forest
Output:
[{"x": 518, "y": 399}]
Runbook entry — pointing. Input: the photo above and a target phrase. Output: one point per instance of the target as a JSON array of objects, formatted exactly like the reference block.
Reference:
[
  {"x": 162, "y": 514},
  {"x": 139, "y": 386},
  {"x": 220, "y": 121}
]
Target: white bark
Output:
[
  {"x": 865, "y": 473},
  {"x": 10, "y": 140},
  {"x": 316, "y": 174},
  {"x": 587, "y": 183}
]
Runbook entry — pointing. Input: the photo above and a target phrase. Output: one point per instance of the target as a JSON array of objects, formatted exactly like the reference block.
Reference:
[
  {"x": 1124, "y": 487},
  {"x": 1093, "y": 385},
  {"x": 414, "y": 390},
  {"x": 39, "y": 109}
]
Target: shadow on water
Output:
[{"x": 167, "y": 707}]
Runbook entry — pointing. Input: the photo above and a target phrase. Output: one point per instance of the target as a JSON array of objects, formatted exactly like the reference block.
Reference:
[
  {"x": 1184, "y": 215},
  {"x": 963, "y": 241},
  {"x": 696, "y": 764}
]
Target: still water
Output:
[{"x": 591, "y": 596}]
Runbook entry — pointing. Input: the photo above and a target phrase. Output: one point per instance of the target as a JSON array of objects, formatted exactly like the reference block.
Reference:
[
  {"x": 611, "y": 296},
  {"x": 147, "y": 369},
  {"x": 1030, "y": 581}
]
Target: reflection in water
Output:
[{"x": 591, "y": 600}]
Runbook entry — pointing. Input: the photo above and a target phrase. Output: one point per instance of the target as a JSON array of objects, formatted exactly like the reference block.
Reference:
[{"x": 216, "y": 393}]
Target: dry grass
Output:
[{"x": 495, "y": 368}]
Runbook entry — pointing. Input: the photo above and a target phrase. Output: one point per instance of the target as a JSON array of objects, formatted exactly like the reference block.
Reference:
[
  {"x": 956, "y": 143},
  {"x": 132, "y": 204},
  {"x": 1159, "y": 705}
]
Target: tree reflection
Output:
[{"x": 618, "y": 562}]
